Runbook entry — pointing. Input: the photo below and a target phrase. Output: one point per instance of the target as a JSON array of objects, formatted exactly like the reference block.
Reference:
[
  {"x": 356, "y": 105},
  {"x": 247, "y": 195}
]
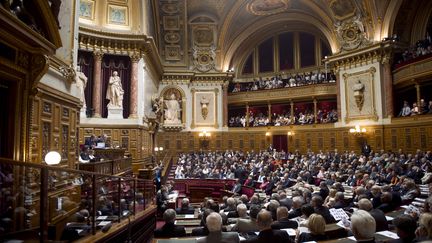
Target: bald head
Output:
[{"x": 214, "y": 222}]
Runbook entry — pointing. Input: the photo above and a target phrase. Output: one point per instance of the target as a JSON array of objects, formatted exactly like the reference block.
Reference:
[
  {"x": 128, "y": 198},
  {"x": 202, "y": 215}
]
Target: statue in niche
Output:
[
  {"x": 115, "y": 91},
  {"x": 172, "y": 111},
  {"x": 204, "y": 106},
  {"x": 358, "y": 89},
  {"x": 81, "y": 82}
]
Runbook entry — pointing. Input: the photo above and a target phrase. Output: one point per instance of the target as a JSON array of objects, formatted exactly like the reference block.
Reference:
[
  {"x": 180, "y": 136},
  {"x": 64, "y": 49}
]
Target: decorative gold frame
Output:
[
  {"x": 112, "y": 8},
  {"x": 92, "y": 10},
  {"x": 373, "y": 116},
  {"x": 216, "y": 92}
]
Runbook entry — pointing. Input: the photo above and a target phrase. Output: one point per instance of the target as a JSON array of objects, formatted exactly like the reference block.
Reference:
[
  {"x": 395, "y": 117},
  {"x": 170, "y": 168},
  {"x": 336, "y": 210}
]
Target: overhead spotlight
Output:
[{"x": 52, "y": 158}]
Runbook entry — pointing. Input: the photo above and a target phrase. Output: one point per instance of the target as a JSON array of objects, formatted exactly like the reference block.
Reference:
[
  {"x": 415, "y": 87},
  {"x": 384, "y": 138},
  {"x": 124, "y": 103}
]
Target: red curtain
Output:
[{"x": 85, "y": 61}]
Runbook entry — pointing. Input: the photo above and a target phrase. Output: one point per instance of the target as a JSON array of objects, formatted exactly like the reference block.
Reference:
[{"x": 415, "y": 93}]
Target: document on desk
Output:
[
  {"x": 388, "y": 218},
  {"x": 103, "y": 223},
  {"x": 101, "y": 217},
  {"x": 291, "y": 232},
  {"x": 189, "y": 216},
  {"x": 388, "y": 234}
]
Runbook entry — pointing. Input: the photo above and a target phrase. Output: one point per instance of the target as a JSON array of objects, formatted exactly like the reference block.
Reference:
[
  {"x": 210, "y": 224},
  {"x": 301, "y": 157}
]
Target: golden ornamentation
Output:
[
  {"x": 267, "y": 7},
  {"x": 204, "y": 58},
  {"x": 351, "y": 34}
]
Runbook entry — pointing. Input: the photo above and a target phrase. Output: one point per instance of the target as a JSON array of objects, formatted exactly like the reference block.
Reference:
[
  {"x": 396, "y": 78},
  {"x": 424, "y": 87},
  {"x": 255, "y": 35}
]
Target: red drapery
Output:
[{"x": 280, "y": 142}]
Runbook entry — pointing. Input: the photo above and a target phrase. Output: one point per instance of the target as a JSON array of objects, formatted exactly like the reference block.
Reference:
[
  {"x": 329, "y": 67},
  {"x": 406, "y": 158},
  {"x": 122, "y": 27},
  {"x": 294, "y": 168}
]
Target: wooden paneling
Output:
[
  {"x": 135, "y": 139},
  {"x": 408, "y": 135},
  {"x": 54, "y": 126}
]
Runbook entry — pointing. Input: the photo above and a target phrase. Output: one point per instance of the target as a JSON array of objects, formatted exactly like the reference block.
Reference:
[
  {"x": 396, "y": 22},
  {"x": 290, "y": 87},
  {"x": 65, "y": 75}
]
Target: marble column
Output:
[
  {"x": 247, "y": 115},
  {"x": 388, "y": 90},
  {"x": 97, "y": 88},
  {"x": 269, "y": 115},
  {"x": 417, "y": 86},
  {"x": 338, "y": 97},
  {"x": 134, "y": 86},
  {"x": 315, "y": 110},
  {"x": 292, "y": 109},
  {"x": 225, "y": 104}
]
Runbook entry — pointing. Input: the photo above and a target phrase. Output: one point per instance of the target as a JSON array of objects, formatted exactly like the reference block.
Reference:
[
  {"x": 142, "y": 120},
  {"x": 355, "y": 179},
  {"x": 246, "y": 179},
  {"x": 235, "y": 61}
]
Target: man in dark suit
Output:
[
  {"x": 296, "y": 207},
  {"x": 237, "y": 187},
  {"x": 267, "y": 234},
  {"x": 378, "y": 215},
  {"x": 317, "y": 203},
  {"x": 284, "y": 201},
  {"x": 340, "y": 200},
  {"x": 169, "y": 229},
  {"x": 283, "y": 222},
  {"x": 185, "y": 207},
  {"x": 214, "y": 225}
]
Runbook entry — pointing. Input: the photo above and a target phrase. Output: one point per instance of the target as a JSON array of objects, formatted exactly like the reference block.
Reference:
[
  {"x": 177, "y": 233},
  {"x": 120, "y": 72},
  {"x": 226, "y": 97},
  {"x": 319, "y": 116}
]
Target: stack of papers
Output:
[
  {"x": 103, "y": 223},
  {"x": 388, "y": 234}
]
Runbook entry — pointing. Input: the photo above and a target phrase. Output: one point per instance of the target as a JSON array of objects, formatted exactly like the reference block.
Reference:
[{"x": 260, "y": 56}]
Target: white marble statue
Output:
[
  {"x": 172, "y": 111},
  {"x": 115, "y": 91},
  {"x": 81, "y": 82}
]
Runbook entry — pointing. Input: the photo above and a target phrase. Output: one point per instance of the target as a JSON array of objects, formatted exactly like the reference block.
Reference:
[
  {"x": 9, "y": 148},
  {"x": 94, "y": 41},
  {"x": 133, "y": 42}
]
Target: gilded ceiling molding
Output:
[
  {"x": 121, "y": 44},
  {"x": 196, "y": 78},
  {"x": 380, "y": 52}
]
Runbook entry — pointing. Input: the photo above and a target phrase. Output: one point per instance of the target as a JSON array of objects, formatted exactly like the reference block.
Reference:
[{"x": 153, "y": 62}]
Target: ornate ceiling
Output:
[{"x": 233, "y": 24}]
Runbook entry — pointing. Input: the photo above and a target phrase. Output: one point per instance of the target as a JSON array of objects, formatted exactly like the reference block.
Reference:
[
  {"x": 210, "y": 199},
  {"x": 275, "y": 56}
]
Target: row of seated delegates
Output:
[
  {"x": 285, "y": 81},
  {"x": 421, "y": 48},
  {"x": 303, "y": 212},
  {"x": 285, "y": 119},
  {"x": 424, "y": 108}
]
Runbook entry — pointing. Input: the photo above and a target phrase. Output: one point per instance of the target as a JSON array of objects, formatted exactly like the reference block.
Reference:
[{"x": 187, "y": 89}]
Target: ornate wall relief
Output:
[
  {"x": 267, "y": 7},
  {"x": 203, "y": 36},
  {"x": 204, "y": 58},
  {"x": 360, "y": 95},
  {"x": 351, "y": 33},
  {"x": 204, "y": 108}
]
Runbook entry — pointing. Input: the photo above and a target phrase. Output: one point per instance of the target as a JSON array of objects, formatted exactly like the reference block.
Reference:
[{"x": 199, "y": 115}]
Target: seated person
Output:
[
  {"x": 214, "y": 225},
  {"x": 230, "y": 205},
  {"x": 84, "y": 155},
  {"x": 296, "y": 207},
  {"x": 248, "y": 225},
  {"x": 405, "y": 228},
  {"x": 424, "y": 230},
  {"x": 317, "y": 203},
  {"x": 316, "y": 225},
  {"x": 241, "y": 212},
  {"x": 169, "y": 229},
  {"x": 267, "y": 234},
  {"x": 377, "y": 214},
  {"x": 185, "y": 207},
  {"x": 237, "y": 188},
  {"x": 202, "y": 231},
  {"x": 363, "y": 226},
  {"x": 283, "y": 222}
]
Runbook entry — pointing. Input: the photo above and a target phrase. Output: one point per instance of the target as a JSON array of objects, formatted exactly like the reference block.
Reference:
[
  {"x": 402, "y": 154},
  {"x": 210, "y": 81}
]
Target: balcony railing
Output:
[
  {"x": 39, "y": 202},
  {"x": 415, "y": 70},
  {"x": 110, "y": 167},
  {"x": 316, "y": 90}
]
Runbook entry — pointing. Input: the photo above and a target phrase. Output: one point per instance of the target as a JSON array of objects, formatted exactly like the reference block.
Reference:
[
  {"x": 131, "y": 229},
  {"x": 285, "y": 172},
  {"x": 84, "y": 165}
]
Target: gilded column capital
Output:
[
  {"x": 135, "y": 57},
  {"x": 98, "y": 55}
]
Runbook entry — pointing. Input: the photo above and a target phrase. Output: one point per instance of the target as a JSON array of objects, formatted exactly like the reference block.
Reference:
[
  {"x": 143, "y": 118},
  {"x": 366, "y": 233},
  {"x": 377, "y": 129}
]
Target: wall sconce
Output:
[
  {"x": 357, "y": 130},
  {"x": 204, "y": 138},
  {"x": 290, "y": 134},
  {"x": 157, "y": 149},
  {"x": 52, "y": 158},
  {"x": 267, "y": 134}
]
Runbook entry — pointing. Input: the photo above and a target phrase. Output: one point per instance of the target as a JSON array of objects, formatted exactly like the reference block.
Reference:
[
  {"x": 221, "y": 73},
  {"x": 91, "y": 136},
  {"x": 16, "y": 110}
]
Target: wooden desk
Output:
[
  {"x": 188, "y": 222},
  {"x": 173, "y": 240},
  {"x": 378, "y": 238},
  {"x": 186, "y": 217}
]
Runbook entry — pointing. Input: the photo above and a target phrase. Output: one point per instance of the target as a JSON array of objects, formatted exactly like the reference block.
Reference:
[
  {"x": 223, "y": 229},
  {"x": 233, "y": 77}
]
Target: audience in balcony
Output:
[
  {"x": 422, "y": 109},
  {"x": 285, "y": 119},
  {"x": 285, "y": 81},
  {"x": 421, "y": 48}
]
